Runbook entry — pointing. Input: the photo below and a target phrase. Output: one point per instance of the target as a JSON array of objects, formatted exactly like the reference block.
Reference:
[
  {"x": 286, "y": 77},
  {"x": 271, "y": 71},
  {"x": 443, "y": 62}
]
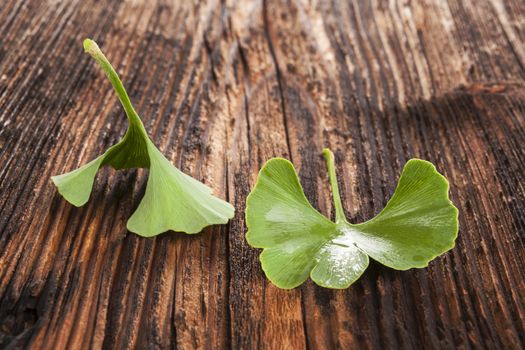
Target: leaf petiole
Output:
[
  {"x": 339, "y": 212},
  {"x": 92, "y": 48}
]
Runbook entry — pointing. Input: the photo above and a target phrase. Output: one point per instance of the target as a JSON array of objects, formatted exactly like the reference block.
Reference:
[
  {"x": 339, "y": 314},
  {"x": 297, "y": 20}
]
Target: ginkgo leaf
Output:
[
  {"x": 173, "y": 200},
  {"x": 418, "y": 224}
]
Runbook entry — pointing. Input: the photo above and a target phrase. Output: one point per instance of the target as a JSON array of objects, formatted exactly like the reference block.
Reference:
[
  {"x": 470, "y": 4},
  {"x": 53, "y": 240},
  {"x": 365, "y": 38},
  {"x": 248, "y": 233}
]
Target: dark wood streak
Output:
[{"x": 222, "y": 86}]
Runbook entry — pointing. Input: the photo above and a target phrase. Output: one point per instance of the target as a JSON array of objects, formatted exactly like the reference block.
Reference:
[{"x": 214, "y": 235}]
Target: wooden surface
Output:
[{"x": 222, "y": 86}]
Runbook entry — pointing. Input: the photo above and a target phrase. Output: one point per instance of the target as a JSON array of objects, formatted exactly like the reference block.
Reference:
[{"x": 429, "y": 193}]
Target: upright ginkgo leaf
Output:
[
  {"x": 418, "y": 224},
  {"x": 173, "y": 200}
]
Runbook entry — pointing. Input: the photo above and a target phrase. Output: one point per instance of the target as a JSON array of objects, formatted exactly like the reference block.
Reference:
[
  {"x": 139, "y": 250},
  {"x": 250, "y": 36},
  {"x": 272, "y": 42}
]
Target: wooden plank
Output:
[{"x": 222, "y": 86}]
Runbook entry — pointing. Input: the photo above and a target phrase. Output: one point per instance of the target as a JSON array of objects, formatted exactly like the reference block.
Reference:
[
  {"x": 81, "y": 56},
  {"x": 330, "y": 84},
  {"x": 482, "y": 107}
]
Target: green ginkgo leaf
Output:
[
  {"x": 173, "y": 200},
  {"x": 418, "y": 224}
]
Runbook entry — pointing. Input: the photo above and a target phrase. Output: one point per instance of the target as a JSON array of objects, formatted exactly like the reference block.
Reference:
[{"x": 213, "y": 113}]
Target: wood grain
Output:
[{"x": 223, "y": 86}]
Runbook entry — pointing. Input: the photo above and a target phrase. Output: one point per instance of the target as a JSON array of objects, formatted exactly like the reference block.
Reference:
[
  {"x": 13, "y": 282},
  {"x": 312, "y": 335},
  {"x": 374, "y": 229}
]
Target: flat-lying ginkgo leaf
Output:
[
  {"x": 418, "y": 224},
  {"x": 173, "y": 200}
]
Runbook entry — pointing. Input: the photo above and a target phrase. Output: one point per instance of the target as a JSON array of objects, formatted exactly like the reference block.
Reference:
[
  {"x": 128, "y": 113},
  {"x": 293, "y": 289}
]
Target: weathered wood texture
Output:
[{"x": 223, "y": 86}]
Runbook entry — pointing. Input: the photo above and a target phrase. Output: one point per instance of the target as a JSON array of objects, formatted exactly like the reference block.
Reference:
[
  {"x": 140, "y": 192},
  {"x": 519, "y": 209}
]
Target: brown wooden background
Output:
[{"x": 222, "y": 86}]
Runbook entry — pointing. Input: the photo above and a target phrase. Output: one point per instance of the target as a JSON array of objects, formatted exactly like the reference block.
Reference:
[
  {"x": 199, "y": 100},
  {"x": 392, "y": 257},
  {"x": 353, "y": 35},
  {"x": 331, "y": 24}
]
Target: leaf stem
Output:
[
  {"x": 92, "y": 48},
  {"x": 339, "y": 212}
]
